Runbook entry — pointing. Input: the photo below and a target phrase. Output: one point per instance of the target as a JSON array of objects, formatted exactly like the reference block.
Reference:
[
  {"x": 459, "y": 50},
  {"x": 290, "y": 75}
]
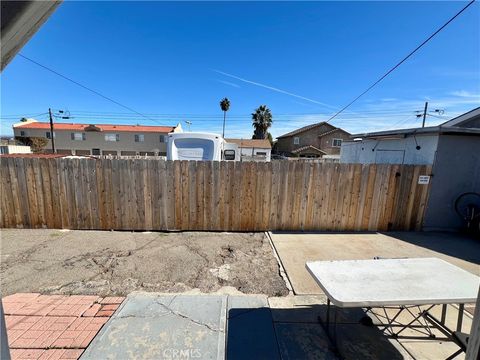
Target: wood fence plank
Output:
[
  {"x": 15, "y": 192},
  {"x": 185, "y": 196},
  {"x": 230, "y": 194},
  {"x": 426, "y": 170},
  {"x": 100, "y": 178},
  {"x": 237, "y": 197},
  {"x": 170, "y": 205},
  {"x": 297, "y": 193},
  {"x": 209, "y": 200},
  {"x": 203, "y": 195},
  {"x": 309, "y": 210},
  {"x": 266, "y": 190},
  {"x": 47, "y": 193},
  {"x": 274, "y": 195},
  {"x": 222, "y": 196},
  {"x": 369, "y": 193},
  {"x": 178, "y": 195},
  {"x": 355, "y": 197},
  {"x": 192, "y": 186},
  {"x": 332, "y": 196},
  {"x": 7, "y": 203},
  {"x": 216, "y": 194},
  {"x": 385, "y": 223}
]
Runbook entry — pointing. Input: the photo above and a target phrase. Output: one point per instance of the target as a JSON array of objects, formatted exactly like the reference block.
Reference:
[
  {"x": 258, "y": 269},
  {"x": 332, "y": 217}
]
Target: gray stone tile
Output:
[
  {"x": 303, "y": 341},
  {"x": 250, "y": 332},
  {"x": 150, "y": 326},
  {"x": 431, "y": 350},
  {"x": 356, "y": 341}
]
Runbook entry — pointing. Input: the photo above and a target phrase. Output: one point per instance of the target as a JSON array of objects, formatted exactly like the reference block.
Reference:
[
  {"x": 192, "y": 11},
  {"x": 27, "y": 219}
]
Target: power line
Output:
[
  {"x": 401, "y": 62},
  {"x": 83, "y": 86},
  {"x": 217, "y": 114}
]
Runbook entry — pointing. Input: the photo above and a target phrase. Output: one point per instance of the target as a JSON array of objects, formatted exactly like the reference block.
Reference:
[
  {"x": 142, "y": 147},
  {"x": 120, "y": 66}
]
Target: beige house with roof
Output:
[
  {"x": 252, "y": 149},
  {"x": 312, "y": 141},
  {"x": 99, "y": 139}
]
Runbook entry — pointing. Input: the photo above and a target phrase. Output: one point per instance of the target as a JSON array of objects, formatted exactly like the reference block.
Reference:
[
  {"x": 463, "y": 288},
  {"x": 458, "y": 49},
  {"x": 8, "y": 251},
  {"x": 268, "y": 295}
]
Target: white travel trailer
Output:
[{"x": 201, "y": 147}]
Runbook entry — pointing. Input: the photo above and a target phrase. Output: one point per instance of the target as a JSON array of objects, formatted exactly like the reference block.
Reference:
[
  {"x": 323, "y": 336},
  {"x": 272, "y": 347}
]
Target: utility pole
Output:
[
  {"x": 424, "y": 114},
  {"x": 52, "y": 137}
]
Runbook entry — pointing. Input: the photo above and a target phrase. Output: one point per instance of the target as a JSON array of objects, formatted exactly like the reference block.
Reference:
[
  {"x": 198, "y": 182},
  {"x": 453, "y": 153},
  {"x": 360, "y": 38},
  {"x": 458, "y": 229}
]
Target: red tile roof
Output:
[
  {"x": 102, "y": 127},
  {"x": 43, "y": 156},
  {"x": 40, "y": 156}
]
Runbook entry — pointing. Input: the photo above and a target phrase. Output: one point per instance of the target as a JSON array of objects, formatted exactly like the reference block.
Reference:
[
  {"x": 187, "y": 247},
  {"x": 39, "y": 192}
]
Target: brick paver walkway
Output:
[{"x": 54, "y": 326}]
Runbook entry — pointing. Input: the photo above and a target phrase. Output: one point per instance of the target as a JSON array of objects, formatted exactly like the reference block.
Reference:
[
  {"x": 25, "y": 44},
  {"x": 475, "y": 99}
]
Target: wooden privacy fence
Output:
[{"x": 186, "y": 195}]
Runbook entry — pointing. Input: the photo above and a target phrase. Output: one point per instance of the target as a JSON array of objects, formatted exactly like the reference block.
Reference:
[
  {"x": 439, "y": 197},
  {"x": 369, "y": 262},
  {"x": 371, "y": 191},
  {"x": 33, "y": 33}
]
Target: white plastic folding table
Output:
[{"x": 400, "y": 283}]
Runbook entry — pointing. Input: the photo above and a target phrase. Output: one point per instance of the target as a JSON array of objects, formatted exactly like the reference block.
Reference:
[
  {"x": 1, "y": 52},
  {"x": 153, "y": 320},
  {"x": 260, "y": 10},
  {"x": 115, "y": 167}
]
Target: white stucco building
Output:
[
  {"x": 253, "y": 149},
  {"x": 416, "y": 146}
]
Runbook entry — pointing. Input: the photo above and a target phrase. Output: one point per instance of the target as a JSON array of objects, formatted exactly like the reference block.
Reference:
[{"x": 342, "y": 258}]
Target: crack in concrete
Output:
[{"x": 171, "y": 311}]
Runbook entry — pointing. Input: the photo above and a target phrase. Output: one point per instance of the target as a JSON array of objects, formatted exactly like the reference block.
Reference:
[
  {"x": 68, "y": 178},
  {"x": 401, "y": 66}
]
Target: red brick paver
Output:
[
  {"x": 112, "y": 300},
  {"x": 92, "y": 310},
  {"x": 52, "y": 327}
]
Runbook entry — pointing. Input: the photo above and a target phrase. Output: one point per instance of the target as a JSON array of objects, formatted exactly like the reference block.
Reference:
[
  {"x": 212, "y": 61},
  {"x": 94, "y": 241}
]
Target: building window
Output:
[
  {"x": 112, "y": 137},
  {"x": 337, "y": 143},
  {"x": 163, "y": 138},
  {"x": 261, "y": 153},
  {"x": 48, "y": 134},
  {"x": 229, "y": 154},
  {"x": 95, "y": 151},
  {"x": 139, "y": 138},
  {"x": 78, "y": 136},
  {"x": 22, "y": 133},
  {"x": 296, "y": 140}
]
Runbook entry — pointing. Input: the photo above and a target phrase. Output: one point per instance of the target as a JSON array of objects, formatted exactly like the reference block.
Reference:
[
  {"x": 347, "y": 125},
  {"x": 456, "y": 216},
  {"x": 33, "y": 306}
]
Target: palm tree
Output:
[
  {"x": 225, "y": 106},
  {"x": 262, "y": 120}
]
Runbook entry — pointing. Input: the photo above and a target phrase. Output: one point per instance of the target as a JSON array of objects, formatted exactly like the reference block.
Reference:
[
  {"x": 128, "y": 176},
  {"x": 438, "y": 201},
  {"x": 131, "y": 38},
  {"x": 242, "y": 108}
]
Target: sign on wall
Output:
[{"x": 424, "y": 179}]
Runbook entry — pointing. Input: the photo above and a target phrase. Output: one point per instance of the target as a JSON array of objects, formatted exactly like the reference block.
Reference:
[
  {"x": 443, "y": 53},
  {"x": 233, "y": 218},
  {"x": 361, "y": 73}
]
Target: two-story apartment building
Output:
[
  {"x": 99, "y": 139},
  {"x": 313, "y": 141}
]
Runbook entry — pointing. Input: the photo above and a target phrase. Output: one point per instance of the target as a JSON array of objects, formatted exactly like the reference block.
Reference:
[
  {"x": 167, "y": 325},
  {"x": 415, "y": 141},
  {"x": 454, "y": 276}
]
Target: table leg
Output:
[
  {"x": 327, "y": 325},
  {"x": 444, "y": 314},
  {"x": 335, "y": 329},
  {"x": 460, "y": 317}
]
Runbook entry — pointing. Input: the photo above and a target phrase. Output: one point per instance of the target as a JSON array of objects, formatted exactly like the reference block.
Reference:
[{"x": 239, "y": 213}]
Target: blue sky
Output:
[{"x": 174, "y": 61}]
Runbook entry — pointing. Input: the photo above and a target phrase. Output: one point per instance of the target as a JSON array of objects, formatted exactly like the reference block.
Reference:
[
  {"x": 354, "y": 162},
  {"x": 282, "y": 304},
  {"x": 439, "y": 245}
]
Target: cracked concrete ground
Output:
[
  {"x": 224, "y": 326},
  {"x": 116, "y": 263}
]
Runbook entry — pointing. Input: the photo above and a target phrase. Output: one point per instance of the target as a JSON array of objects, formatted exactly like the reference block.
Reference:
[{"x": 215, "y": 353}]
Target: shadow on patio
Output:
[{"x": 295, "y": 333}]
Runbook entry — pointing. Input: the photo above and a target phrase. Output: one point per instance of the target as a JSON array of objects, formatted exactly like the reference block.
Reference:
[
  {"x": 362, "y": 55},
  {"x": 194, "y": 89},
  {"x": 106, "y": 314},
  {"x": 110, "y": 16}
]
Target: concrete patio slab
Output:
[
  {"x": 303, "y": 341},
  {"x": 295, "y": 249},
  {"x": 250, "y": 331},
  {"x": 361, "y": 343},
  {"x": 431, "y": 350},
  {"x": 164, "y": 326}
]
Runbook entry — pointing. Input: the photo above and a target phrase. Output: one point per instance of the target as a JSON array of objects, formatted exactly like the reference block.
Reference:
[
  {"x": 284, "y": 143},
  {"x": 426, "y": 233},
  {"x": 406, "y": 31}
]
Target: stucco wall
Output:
[
  {"x": 456, "y": 170},
  {"x": 310, "y": 137},
  {"x": 96, "y": 140},
  {"x": 249, "y": 152},
  {"x": 392, "y": 151}
]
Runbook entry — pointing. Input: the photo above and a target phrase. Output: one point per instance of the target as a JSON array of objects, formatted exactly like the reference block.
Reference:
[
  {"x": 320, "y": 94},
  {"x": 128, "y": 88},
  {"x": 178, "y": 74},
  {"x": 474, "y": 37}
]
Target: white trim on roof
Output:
[{"x": 461, "y": 118}]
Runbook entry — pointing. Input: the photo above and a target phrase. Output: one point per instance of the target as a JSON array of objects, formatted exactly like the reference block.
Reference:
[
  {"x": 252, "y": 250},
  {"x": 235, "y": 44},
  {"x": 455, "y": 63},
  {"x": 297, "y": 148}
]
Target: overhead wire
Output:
[
  {"x": 400, "y": 62},
  {"x": 83, "y": 86}
]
